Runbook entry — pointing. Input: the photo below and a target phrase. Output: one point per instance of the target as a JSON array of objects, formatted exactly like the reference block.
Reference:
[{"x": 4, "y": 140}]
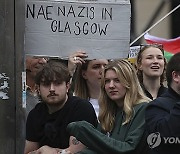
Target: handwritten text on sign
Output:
[{"x": 60, "y": 28}]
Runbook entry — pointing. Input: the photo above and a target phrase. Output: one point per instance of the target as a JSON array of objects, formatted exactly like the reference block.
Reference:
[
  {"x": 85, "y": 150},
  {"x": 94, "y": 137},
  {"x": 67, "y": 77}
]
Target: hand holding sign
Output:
[{"x": 75, "y": 59}]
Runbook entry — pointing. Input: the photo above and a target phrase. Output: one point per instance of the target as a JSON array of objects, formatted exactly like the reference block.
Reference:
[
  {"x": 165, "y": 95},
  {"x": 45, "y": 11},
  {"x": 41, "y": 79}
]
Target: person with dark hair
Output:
[
  {"x": 151, "y": 65},
  {"x": 163, "y": 113},
  {"x": 122, "y": 114},
  {"x": 46, "y": 123}
]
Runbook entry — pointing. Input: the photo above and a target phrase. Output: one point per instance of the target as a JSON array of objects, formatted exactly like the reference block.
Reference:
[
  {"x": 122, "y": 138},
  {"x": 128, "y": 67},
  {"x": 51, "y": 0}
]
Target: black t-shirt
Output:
[{"x": 50, "y": 129}]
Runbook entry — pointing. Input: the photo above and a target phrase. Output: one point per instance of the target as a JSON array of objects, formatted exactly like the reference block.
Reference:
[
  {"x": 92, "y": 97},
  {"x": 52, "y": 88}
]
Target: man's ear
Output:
[
  {"x": 84, "y": 74},
  {"x": 175, "y": 76},
  {"x": 68, "y": 86}
]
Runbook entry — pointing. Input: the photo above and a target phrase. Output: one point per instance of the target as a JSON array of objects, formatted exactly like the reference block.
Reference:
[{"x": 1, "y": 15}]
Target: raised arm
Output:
[{"x": 75, "y": 59}]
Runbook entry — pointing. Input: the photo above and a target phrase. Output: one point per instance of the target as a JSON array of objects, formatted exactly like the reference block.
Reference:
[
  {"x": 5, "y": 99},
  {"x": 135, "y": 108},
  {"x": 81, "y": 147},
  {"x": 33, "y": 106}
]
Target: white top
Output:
[{"x": 95, "y": 105}]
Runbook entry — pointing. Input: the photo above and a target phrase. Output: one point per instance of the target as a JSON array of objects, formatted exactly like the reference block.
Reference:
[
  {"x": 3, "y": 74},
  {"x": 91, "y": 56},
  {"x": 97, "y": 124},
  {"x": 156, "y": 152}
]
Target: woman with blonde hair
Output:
[
  {"x": 151, "y": 65},
  {"x": 122, "y": 110}
]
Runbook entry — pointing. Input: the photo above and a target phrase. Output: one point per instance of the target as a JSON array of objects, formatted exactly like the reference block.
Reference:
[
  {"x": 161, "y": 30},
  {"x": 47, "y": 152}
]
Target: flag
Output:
[{"x": 171, "y": 46}]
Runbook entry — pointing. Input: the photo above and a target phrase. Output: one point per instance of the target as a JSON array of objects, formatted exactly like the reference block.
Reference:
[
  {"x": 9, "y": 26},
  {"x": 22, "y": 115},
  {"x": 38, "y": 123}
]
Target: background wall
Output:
[
  {"x": 12, "y": 117},
  {"x": 147, "y": 12}
]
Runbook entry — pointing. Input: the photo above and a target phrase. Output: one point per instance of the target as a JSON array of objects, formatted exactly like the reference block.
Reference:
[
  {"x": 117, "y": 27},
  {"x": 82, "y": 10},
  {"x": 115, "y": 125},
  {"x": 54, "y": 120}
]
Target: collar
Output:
[
  {"x": 29, "y": 90},
  {"x": 173, "y": 93},
  {"x": 161, "y": 91}
]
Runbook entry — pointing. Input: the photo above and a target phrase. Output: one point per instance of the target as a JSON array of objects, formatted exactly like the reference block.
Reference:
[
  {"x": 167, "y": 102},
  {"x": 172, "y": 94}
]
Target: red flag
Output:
[{"x": 169, "y": 45}]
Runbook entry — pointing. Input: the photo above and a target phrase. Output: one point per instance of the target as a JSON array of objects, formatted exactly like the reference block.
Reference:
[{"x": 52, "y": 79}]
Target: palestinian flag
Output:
[{"x": 171, "y": 46}]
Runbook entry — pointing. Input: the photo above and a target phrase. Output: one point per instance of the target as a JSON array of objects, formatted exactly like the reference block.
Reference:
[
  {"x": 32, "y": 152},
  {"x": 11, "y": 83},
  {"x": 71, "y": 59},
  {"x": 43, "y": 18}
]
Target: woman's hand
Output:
[
  {"x": 75, "y": 145},
  {"x": 75, "y": 59}
]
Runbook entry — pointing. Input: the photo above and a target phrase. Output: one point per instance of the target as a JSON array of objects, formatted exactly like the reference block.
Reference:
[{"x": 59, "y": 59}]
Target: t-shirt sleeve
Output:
[{"x": 31, "y": 127}]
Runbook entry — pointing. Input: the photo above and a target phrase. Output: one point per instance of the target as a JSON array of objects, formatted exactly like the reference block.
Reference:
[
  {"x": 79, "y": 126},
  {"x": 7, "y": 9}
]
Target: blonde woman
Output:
[
  {"x": 122, "y": 106},
  {"x": 151, "y": 65}
]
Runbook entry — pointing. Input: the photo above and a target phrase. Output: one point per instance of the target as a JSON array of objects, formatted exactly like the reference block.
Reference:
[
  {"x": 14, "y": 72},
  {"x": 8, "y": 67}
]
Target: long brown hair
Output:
[{"x": 80, "y": 86}]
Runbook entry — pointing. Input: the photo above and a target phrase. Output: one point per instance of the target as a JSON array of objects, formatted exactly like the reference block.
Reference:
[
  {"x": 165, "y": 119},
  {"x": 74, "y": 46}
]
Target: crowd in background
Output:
[{"x": 103, "y": 105}]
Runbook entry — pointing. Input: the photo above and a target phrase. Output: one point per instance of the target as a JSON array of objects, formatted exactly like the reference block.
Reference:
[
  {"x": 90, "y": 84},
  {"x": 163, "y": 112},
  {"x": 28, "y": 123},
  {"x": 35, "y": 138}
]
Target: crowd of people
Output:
[{"x": 105, "y": 106}]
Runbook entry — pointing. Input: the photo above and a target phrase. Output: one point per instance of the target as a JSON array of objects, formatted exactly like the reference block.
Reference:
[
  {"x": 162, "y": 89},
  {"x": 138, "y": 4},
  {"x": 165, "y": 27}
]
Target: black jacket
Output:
[{"x": 163, "y": 123}]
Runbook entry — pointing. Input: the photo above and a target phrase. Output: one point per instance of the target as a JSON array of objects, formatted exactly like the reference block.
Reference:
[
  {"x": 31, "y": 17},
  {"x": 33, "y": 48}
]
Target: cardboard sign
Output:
[{"x": 60, "y": 28}]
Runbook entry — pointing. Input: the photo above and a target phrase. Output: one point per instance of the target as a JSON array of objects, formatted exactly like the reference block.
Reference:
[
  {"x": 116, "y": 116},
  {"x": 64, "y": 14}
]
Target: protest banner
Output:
[{"x": 59, "y": 28}]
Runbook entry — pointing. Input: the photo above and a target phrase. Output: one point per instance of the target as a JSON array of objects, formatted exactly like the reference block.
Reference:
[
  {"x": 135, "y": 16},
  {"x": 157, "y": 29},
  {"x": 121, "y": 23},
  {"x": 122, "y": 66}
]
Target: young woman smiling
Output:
[{"x": 151, "y": 65}]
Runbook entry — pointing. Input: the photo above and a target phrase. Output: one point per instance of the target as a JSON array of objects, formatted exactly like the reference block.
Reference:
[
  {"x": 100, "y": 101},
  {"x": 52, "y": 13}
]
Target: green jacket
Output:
[{"x": 124, "y": 139}]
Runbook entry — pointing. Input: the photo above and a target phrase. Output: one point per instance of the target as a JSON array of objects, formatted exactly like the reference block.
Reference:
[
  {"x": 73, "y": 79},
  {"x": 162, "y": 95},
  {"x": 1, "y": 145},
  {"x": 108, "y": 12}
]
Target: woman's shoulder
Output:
[{"x": 141, "y": 105}]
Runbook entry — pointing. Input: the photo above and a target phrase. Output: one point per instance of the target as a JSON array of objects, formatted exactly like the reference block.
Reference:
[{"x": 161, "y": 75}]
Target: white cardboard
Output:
[{"x": 44, "y": 38}]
